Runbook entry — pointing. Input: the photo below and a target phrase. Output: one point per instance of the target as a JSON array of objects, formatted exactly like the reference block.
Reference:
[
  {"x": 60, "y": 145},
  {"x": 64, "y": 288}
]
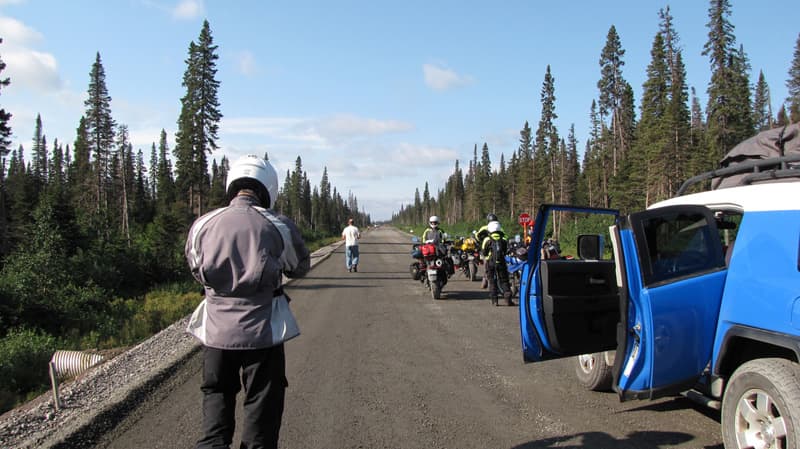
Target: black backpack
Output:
[{"x": 499, "y": 250}]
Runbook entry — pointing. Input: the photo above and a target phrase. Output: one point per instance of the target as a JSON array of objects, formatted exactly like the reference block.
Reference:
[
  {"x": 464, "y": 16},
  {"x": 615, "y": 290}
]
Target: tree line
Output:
[
  {"x": 628, "y": 162},
  {"x": 90, "y": 228}
]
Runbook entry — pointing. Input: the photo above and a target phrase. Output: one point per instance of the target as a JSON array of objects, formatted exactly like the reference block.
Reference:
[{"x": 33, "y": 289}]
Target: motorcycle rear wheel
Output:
[{"x": 436, "y": 290}]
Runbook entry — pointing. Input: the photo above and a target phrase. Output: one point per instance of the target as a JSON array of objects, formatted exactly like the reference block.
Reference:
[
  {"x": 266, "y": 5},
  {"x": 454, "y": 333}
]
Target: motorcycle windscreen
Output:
[
  {"x": 675, "y": 273},
  {"x": 567, "y": 307}
]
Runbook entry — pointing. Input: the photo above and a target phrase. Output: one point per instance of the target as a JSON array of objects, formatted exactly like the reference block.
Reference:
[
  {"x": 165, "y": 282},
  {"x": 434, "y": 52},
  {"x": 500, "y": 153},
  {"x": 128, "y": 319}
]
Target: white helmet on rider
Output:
[
  {"x": 493, "y": 226},
  {"x": 252, "y": 167},
  {"x": 434, "y": 221}
]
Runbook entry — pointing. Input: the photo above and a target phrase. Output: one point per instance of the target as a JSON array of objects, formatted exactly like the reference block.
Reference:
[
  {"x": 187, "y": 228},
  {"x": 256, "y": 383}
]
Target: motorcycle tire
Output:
[
  {"x": 436, "y": 290},
  {"x": 415, "y": 271}
]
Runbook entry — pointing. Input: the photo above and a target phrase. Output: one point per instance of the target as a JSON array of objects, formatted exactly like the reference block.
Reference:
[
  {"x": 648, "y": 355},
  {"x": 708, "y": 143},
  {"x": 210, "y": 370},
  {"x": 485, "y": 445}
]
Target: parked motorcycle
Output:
[
  {"x": 515, "y": 261},
  {"x": 465, "y": 257},
  {"x": 432, "y": 267}
]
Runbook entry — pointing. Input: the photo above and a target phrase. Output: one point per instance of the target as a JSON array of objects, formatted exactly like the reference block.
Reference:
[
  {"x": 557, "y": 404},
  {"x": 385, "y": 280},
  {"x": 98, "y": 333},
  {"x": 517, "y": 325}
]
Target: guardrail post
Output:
[
  {"x": 54, "y": 383},
  {"x": 66, "y": 364}
]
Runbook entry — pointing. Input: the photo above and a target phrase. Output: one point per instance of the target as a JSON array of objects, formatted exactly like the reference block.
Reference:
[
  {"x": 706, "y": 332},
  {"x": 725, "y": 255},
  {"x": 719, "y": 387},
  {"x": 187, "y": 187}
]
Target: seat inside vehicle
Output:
[{"x": 581, "y": 305}]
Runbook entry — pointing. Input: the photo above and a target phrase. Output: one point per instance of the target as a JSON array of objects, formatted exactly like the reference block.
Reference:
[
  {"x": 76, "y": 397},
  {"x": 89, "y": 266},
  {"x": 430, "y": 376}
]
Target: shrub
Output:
[{"x": 24, "y": 357}]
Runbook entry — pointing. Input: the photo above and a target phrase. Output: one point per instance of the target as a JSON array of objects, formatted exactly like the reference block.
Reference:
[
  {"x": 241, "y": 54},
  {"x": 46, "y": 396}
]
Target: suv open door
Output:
[{"x": 650, "y": 301}]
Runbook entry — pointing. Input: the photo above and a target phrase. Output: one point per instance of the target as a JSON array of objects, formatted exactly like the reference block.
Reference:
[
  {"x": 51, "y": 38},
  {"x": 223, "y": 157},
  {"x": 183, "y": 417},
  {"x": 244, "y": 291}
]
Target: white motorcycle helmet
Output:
[
  {"x": 259, "y": 169},
  {"x": 493, "y": 227},
  {"x": 434, "y": 221}
]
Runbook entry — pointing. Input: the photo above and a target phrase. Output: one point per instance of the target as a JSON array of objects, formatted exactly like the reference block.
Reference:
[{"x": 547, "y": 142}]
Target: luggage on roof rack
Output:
[{"x": 769, "y": 156}]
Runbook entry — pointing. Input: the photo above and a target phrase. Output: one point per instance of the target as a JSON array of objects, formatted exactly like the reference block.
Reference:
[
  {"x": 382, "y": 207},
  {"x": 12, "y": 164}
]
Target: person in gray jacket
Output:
[{"x": 240, "y": 253}]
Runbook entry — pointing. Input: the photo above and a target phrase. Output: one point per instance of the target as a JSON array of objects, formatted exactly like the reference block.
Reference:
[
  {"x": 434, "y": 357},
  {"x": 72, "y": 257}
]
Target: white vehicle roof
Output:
[{"x": 758, "y": 197}]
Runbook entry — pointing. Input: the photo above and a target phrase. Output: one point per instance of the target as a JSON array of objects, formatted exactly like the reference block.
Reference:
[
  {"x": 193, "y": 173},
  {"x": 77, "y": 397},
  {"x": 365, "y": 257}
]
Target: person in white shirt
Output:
[{"x": 350, "y": 235}]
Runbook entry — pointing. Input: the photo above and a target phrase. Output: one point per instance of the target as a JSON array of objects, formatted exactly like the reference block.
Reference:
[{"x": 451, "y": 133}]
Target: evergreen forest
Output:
[
  {"x": 92, "y": 232},
  {"x": 632, "y": 157}
]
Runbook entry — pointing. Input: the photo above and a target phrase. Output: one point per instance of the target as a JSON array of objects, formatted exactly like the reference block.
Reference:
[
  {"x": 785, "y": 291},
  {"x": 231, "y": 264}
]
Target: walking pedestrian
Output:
[
  {"x": 240, "y": 253},
  {"x": 350, "y": 235},
  {"x": 494, "y": 248}
]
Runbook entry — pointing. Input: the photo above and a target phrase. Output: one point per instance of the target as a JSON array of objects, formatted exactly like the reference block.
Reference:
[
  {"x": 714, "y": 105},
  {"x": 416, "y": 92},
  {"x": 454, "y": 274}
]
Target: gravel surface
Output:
[
  {"x": 98, "y": 399},
  {"x": 92, "y": 400}
]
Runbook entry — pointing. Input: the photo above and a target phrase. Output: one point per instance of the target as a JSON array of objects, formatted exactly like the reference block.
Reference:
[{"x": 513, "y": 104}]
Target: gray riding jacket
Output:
[{"x": 239, "y": 254}]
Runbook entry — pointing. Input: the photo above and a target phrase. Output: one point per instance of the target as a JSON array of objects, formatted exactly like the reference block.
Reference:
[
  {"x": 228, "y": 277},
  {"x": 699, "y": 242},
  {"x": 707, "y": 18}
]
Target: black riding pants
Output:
[
  {"x": 501, "y": 278},
  {"x": 262, "y": 373}
]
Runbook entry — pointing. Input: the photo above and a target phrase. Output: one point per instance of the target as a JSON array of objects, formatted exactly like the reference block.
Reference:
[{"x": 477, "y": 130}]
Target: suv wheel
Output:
[
  {"x": 761, "y": 405},
  {"x": 594, "y": 370}
]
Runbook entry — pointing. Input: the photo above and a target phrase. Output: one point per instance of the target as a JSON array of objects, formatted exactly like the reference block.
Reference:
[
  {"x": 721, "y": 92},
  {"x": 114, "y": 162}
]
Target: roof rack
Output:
[{"x": 761, "y": 170}]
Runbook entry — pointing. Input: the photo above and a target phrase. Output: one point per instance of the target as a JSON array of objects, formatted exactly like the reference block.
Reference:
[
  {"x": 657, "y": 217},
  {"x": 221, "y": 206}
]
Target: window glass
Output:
[{"x": 679, "y": 245}]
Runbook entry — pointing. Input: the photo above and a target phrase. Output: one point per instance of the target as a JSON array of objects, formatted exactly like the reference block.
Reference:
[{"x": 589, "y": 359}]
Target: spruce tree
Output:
[
  {"x": 39, "y": 155},
  {"x": 613, "y": 91},
  {"x": 648, "y": 167},
  {"x": 729, "y": 111},
  {"x": 678, "y": 109},
  {"x": 547, "y": 143},
  {"x": 762, "y": 107},
  {"x": 325, "y": 204},
  {"x": 524, "y": 177},
  {"x": 792, "y": 85},
  {"x": 153, "y": 178},
  {"x": 198, "y": 122},
  {"x": 5, "y": 141},
  {"x": 165, "y": 187},
  {"x": 782, "y": 117},
  {"x": 483, "y": 176},
  {"x": 99, "y": 131},
  {"x": 82, "y": 181},
  {"x": 5, "y": 117}
]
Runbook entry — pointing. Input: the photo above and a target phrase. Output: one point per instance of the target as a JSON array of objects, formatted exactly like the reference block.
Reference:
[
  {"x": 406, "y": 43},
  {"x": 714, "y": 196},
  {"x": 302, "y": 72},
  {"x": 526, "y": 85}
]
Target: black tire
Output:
[
  {"x": 415, "y": 271},
  {"x": 761, "y": 405},
  {"x": 436, "y": 290},
  {"x": 593, "y": 371}
]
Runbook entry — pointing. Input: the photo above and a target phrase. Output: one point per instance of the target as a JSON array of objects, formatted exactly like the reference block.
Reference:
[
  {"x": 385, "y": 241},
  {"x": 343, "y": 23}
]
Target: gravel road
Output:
[{"x": 380, "y": 364}]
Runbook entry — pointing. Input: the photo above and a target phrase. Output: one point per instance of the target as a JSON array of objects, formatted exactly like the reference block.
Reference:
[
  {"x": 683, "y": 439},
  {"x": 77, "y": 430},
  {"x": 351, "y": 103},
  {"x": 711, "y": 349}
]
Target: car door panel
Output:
[
  {"x": 668, "y": 262},
  {"x": 571, "y": 313},
  {"x": 674, "y": 296}
]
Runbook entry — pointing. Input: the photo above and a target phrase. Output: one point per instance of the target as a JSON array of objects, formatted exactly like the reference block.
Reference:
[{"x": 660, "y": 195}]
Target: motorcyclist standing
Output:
[
  {"x": 493, "y": 248},
  {"x": 433, "y": 234},
  {"x": 240, "y": 253},
  {"x": 482, "y": 233}
]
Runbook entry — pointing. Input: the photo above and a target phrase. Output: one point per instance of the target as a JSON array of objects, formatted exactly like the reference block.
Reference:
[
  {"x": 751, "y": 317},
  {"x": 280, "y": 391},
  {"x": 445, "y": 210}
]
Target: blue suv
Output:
[{"x": 698, "y": 295}]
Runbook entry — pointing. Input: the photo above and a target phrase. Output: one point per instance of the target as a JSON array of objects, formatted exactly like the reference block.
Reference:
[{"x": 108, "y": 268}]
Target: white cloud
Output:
[
  {"x": 25, "y": 66},
  {"x": 424, "y": 155},
  {"x": 343, "y": 126},
  {"x": 11, "y": 2},
  {"x": 317, "y": 133},
  {"x": 188, "y": 9},
  {"x": 246, "y": 63},
  {"x": 358, "y": 152},
  {"x": 33, "y": 69},
  {"x": 17, "y": 34},
  {"x": 438, "y": 77}
]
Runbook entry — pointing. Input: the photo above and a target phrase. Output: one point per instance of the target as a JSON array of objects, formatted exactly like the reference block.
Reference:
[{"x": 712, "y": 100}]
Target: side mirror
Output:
[
  {"x": 590, "y": 246},
  {"x": 415, "y": 239}
]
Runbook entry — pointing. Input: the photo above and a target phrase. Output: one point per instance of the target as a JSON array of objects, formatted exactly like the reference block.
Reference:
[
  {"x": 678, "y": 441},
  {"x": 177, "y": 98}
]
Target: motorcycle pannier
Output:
[{"x": 428, "y": 249}]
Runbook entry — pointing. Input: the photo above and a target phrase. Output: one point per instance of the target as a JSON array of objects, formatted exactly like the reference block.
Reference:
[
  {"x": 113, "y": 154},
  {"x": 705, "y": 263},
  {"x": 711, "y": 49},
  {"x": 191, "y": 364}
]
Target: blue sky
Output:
[{"x": 386, "y": 95}]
